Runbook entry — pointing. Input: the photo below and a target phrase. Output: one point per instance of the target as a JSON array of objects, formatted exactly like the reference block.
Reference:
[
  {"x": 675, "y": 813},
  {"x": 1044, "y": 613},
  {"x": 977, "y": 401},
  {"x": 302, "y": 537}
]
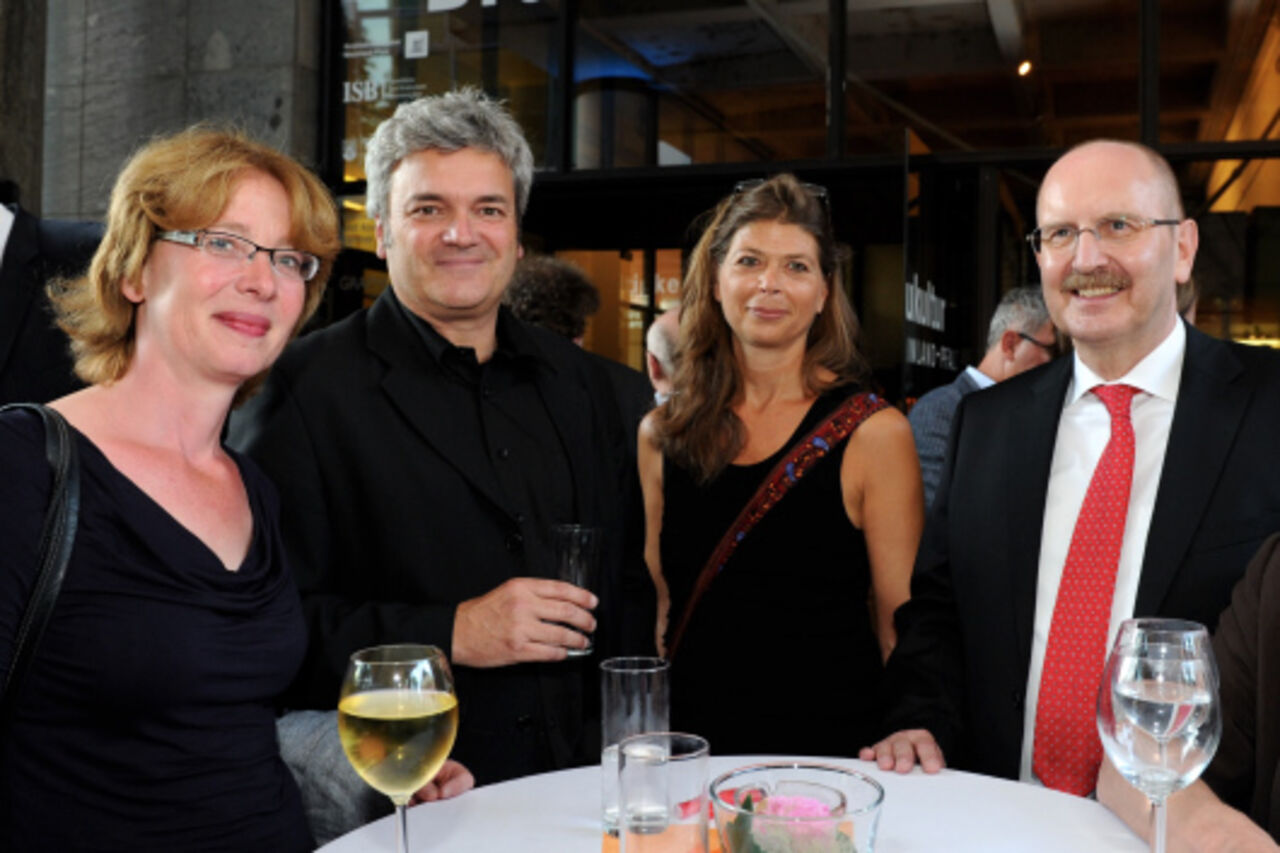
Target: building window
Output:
[{"x": 698, "y": 81}]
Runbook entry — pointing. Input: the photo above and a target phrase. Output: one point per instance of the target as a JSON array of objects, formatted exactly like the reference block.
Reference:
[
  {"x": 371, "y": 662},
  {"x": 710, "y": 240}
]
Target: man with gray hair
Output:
[
  {"x": 660, "y": 353},
  {"x": 1019, "y": 338},
  {"x": 425, "y": 447}
]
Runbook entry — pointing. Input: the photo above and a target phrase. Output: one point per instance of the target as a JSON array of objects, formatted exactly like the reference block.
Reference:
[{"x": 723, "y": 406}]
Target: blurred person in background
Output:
[
  {"x": 558, "y": 296},
  {"x": 1019, "y": 337},
  {"x": 660, "y": 353},
  {"x": 35, "y": 355},
  {"x": 553, "y": 294}
]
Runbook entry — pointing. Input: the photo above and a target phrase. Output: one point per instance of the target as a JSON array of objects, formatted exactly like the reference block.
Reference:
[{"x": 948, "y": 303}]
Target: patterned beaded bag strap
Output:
[{"x": 798, "y": 461}]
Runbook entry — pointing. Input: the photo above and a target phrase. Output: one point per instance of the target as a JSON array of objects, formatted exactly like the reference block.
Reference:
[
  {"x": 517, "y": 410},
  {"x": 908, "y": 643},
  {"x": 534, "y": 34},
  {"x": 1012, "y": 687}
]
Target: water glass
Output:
[
  {"x": 662, "y": 793},
  {"x": 1158, "y": 714},
  {"x": 634, "y": 699}
]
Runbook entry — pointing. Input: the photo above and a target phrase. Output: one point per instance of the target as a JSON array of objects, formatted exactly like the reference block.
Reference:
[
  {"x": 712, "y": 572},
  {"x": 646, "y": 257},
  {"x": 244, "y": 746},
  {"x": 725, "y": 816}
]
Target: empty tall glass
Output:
[{"x": 577, "y": 549}]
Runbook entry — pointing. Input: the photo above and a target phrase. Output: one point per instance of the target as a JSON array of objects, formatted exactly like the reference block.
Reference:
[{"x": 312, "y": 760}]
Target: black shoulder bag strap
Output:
[{"x": 56, "y": 539}]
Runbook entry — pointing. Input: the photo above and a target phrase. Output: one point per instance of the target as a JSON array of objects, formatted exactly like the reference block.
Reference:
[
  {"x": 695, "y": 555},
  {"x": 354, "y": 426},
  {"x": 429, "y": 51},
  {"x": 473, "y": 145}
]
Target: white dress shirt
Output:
[
  {"x": 982, "y": 379},
  {"x": 6, "y": 226},
  {"x": 1083, "y": 431}
]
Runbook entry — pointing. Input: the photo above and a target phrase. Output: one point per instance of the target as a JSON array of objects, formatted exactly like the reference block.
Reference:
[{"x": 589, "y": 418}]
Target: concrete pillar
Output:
[
  {"x": 22, "y": 96},
  {"x": 118, "y": 72}
]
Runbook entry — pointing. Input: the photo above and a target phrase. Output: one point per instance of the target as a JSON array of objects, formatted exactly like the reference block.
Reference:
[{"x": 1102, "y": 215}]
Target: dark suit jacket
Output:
[
  {"x": 392, "y": 518},
  {"x": 931, "y": 419},
  {"x": 633, "y": 394},
  {"x": 964, "y": 639},
  {"x": 1245, "y": 772},
  {"x": 35, "y": 362}
]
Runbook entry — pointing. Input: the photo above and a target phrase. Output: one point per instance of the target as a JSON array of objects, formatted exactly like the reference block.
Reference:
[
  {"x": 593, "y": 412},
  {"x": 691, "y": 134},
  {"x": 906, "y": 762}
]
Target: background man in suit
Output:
[
  {"x": 35, "y": 361},
  {"x": 1002, "y": 572},
  {"x": 424, "y": 447},
  {"x": 1019, "y": 337}
]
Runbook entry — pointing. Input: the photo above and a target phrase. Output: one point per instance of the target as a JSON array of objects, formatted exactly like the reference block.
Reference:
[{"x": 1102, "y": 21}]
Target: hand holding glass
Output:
[
  {"x": 398, "y": 717},
  {"x": 1158, "y": 712}
]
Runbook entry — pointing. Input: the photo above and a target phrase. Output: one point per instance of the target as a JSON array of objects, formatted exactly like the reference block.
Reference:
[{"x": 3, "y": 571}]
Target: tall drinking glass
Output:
[
  {"x": 1158, "y": 713},
  {"x": 577, "y": 556},
  {"x": 398, "y": 717},
  {"x": 633, "y": 699}
]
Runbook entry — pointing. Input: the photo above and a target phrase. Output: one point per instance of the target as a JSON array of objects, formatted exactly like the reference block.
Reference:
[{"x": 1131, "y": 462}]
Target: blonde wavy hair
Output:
[{"x": 181, "y": 182}]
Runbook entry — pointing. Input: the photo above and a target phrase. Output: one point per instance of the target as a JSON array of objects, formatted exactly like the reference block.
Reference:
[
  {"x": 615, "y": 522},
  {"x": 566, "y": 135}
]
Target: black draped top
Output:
[{"x": 147, "y": 719}]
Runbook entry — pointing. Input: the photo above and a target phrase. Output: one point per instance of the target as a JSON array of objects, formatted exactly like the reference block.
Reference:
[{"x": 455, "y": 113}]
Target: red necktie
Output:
[{"x": 1067, "y": 751}]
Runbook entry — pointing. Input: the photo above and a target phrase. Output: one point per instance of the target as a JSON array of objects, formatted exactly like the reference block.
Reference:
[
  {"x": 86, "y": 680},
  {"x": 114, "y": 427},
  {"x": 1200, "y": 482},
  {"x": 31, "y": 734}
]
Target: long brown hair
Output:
[{"x": 697, "y": 427}]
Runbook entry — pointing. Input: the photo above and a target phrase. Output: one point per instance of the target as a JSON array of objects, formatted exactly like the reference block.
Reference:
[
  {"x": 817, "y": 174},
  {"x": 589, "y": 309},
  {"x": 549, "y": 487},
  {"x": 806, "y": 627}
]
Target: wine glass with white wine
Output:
[
  {"x": 398, "y": 717},
  {"x": 1158, "y": 712}
]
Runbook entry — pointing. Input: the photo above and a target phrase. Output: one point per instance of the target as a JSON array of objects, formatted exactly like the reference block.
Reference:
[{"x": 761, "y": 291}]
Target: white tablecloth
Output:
[{"x": 951, "y": 811}]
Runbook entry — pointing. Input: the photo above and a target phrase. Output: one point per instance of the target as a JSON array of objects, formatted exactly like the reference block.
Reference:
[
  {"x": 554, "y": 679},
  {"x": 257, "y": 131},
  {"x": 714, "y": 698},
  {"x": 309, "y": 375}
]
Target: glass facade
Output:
[
  {"x": 643, "y": 113},
  {"x": 393, "y": 51},
  {"x": 678, "y": 82}
]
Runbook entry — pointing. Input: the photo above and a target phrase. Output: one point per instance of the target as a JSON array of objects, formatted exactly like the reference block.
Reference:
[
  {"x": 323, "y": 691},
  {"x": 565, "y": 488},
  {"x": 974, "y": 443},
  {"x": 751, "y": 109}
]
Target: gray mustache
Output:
[{"x": 1085, "y": 281}]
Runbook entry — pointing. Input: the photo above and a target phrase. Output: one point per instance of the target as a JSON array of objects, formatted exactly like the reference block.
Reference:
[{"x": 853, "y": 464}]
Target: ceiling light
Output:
[{"x": 1024, "y": 68}]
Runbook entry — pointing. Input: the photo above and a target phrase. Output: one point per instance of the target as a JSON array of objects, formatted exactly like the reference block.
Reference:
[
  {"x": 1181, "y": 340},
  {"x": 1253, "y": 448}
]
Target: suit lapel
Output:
[
  {"x": 1212, "y": 399},
  {"x": 426, "y": 398},
  {"x": 1033, "y": 433},
  {"x": 17, "y": 283}
]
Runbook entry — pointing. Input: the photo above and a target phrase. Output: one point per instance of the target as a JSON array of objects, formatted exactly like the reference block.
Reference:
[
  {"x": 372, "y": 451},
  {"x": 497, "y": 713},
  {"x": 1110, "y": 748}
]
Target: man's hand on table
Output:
[
  {"x": 452, "y": 780},
  {"x": 901, "y": 750},
  {"x": 516, "y": 623}
]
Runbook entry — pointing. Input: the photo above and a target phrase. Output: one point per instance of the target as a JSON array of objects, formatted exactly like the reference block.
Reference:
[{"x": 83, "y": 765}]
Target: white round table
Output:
[{"x": 952, "y": 811}]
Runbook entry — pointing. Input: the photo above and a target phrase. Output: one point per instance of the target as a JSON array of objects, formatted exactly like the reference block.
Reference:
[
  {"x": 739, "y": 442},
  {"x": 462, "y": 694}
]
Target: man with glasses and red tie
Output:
[
  {"x": 1136, "y": 478},
  {"x": 1019, "y": 337}
]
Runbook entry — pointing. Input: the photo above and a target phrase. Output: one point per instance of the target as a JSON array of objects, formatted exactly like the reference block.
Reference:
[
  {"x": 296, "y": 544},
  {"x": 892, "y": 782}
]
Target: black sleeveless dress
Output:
[{"x": 780, "y": 656}]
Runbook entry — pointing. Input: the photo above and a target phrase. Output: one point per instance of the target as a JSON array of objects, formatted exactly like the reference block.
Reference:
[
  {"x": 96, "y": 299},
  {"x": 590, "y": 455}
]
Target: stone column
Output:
[
  {"x": 118, "y": 72},
  {"x": 22, "y": 96}
]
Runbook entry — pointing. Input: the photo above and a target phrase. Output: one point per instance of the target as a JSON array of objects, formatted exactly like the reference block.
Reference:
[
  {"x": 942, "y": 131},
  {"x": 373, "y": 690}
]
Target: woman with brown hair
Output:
[{"x": 783, "y": 502}]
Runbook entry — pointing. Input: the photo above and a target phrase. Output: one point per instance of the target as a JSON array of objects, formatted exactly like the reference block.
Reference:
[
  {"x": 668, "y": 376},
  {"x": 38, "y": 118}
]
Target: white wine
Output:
[{"x": 397, "y": 740}]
